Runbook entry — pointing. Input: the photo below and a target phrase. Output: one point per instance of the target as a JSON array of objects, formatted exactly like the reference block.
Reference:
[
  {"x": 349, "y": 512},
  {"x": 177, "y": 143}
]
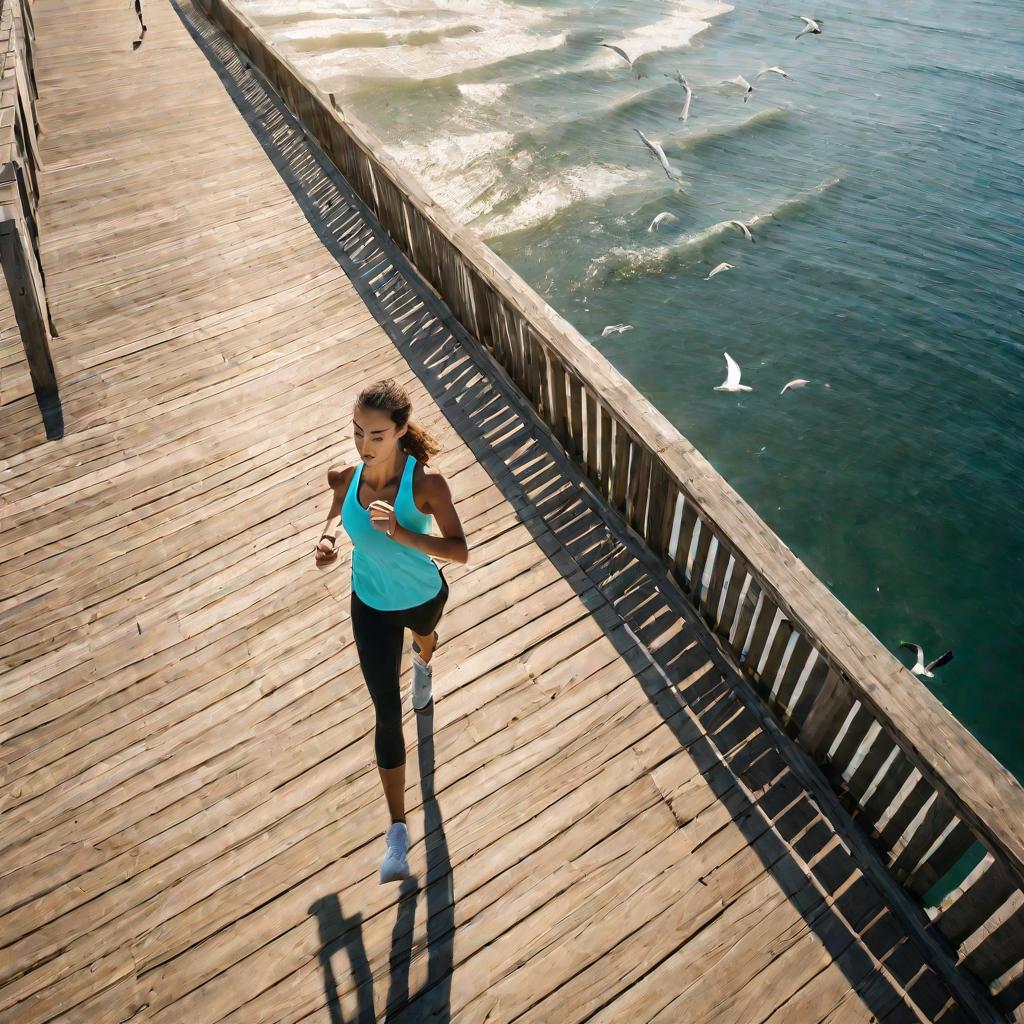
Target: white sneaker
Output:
[
  {"x": 422, "y": 683},
  {"x": 395, "y": 866}
]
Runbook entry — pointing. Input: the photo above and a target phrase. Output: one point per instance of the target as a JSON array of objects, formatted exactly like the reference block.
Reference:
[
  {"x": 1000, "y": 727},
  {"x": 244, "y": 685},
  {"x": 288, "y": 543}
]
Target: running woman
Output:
[{"x": 385, "y": 503}]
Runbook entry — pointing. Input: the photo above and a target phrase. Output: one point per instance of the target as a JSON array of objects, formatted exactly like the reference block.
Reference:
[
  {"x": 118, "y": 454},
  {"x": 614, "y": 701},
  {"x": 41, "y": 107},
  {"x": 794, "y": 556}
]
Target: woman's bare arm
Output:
[
  {"x": 336, "y": 481},
  {"x": 451, "y": 545}
]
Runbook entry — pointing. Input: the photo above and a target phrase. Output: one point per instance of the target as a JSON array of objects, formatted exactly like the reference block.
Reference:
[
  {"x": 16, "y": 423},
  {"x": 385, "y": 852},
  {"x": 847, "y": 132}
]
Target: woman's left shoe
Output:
[{"x": 422, "y": 683}]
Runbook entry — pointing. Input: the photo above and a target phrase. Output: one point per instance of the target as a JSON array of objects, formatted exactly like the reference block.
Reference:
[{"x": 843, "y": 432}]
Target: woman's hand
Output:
[
  {"x": 382, "y": 517},
  {"x": 326, "y": 550}
]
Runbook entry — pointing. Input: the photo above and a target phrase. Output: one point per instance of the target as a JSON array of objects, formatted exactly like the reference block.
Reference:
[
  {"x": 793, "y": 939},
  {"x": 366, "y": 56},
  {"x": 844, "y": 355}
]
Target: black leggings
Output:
[{"x": 379, "y": 639}]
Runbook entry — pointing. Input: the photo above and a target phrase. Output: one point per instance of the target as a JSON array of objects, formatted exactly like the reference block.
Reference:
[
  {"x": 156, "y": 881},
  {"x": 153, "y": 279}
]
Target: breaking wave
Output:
[{"x": 629, "y": 261}]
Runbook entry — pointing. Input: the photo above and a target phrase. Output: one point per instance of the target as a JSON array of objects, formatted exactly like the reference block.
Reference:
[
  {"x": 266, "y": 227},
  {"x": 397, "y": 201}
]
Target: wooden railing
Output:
[
  {"x": 19, "y": 200},
  {"x": 926, "y": 791}
]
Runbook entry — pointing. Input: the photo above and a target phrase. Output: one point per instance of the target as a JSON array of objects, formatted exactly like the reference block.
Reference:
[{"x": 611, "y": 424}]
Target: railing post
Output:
[
  {"x": 19, "y": 195},
  {"x": 29, "y": 309}
]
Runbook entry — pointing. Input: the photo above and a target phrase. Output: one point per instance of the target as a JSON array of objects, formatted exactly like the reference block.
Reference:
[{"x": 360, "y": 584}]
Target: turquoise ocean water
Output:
[{"x": 884, "y": 180}]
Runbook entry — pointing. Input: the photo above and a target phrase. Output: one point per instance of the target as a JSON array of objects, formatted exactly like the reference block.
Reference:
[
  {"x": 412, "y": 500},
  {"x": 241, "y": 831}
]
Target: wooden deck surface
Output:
[{"x": 191, "y": 820}]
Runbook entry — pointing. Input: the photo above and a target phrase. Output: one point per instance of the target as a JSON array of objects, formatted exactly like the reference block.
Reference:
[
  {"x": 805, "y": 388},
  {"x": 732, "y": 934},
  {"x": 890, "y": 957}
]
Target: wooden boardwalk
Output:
[{"x": 191, "y": 821}]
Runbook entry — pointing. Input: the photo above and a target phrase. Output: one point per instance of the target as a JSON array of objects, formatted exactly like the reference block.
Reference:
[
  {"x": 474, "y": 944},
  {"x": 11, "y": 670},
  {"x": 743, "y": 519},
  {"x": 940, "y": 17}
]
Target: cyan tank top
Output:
[{"x": 387, "y": 575}]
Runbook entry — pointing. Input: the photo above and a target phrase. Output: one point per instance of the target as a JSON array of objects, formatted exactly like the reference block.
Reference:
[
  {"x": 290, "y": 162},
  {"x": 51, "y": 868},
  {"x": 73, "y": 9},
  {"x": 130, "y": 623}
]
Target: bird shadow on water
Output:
[{"x": 341, "y": 933}]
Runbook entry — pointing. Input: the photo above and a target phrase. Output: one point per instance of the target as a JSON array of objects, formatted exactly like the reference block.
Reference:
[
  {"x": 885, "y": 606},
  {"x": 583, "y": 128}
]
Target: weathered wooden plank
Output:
[
  {"x": 938, "y": 819},
  {"x": 606, "y": 452},
  {"x": 538, "y": 374},
  {"x": 763, "y": 625},
  {"x": 591, "y": 461},
  {"x": 700, "y": 562},
  {"x": 780, "y": 643},
  {"x": 832, "y": 705},
  {"x": 684, "y": 541},
  {"x": 732, "y": 598},
  {"x": 794, "y": 669},
  {"x": 903, "y": 816},
  {"x": 1003, "y": 948},
  {"x": 960, "y": 919},
  {"x": 638, "y": 491},
  {"x": 942, "y": 860},
  {"x": 576, "y": 416},
  {"x": 663, "y": 535},
  {"x": 745, "y": 616},
  {"x": 804, "y": 698},
  {"x": 560, "y": 422},
  {"x": 880, "y": 749},
  {"x": 717, "y": 582},
  {"x": 856, "y": 732},
  {"x": 658, "y": 512},
  {"x": 896, "y": 775},
  {"x": 620, "y": 471}
]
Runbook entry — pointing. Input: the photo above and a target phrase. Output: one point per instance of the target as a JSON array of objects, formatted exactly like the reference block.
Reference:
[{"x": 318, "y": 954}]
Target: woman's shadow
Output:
[{"x": 338, "y": 932}]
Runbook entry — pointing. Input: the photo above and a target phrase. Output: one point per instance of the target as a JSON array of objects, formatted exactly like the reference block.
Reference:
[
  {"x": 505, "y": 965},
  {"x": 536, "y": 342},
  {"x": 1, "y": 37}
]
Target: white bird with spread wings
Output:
[
  {"x": 732, "y": 376},
  {"x": 684, "y": 114},
  {"x": 920, "y": 668},
  {"x": 659, "y": 154},
  {"x": 662, "y": 218},
  {"x": 739, "y": 80},
  {"x": 637, "y": 73},
  {"x": 774, "y": 70},
  {"x": 812, "y": 26}
]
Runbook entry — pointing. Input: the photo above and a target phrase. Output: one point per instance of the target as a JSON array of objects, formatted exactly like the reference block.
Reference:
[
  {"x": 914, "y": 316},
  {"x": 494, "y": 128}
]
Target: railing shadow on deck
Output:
[{"x": 750, "y": 764}]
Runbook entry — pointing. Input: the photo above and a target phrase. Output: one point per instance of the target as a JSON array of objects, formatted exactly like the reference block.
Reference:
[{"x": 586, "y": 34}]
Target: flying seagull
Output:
[
  {"x": 719, "y": 269},
  {"x": 616, "y": 329},
  {"x": 921, "y": 669},
  {"x": 746, "y": 231},
  {"x": 660, "y": 219},
  {"x": 681, "y": 79},
  {"x": 732, "y": 376},
  {"x": 812, "y": 26},
  {"x": 794, "y": 384},
  {"x": 739, "y": 80},
  {"x": 659, "y": 155},
  {"x": 775, "y": 69},
  {"x": 637, "y": 73}
]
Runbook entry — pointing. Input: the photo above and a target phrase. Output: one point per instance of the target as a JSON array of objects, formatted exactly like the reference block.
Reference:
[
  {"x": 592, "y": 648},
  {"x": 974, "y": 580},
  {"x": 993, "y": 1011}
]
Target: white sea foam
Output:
[
  {"x": 547, "y": 199},
  {"x": 405, "y": 38},
  {"x": 484, "y": 93},
  {"x": 675, "y": 30},
  {"x": 628, "y": 261},
  {"x": 456, "y": 170},
  {"x": 481, "y": 176}
]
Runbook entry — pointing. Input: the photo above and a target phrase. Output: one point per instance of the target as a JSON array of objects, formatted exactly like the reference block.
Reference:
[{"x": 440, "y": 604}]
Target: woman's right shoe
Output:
[
  {"x": 422, "y": 683},
  {"x": 395, "y": 865}
]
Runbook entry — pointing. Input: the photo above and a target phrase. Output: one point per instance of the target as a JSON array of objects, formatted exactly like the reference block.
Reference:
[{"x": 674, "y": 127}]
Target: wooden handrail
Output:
[{"x": 919, "y": 782}]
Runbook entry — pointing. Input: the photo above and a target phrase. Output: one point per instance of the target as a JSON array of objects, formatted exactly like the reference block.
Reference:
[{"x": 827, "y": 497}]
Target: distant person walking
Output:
[
  {"x": 385, "y": 503},
  {"x": 138, "y": 11}
]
